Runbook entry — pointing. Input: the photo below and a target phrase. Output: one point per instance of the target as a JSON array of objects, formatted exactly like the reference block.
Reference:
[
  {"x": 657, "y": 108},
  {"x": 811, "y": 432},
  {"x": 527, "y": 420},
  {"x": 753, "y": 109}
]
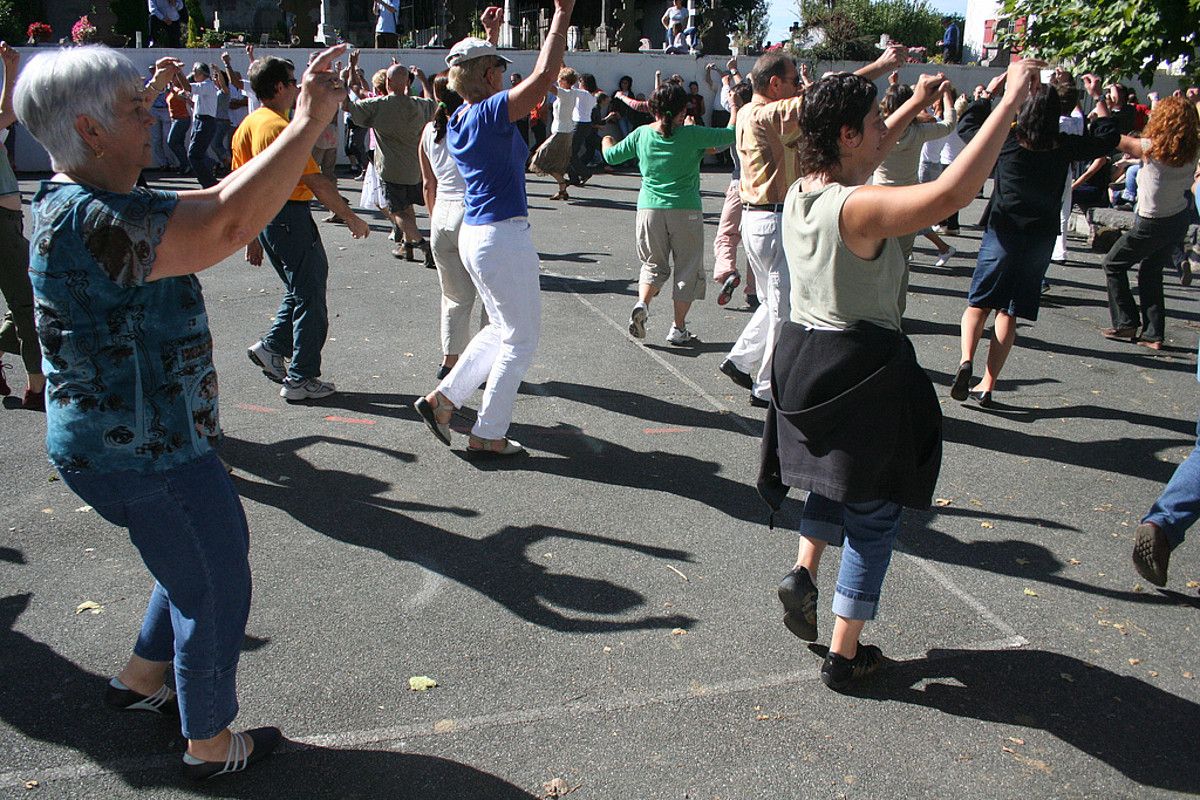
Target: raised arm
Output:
[
  {"x": 529, "y": 92},
  {"x": 12, "y": 62},
  {"x": 211, "y": 224},
  {"x": 230, "y": 76},
  {"x": 874, "y": 213},
  {"x": 927, "y": 89},
  {"x": 428, "y": 178},
  {"x": 892, "y": 58}
]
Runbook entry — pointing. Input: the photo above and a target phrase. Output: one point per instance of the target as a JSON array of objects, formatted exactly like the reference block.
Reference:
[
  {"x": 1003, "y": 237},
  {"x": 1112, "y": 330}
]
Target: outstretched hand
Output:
[
  {"x": 1093, "y": 85},
  {"x": 929, "y": 88},
  {"x": 11, "y": 59},
  {"x": 1022, "y": 78},
  {"x": 323, "y": 91},
  {"x": 491, "y": 18}
]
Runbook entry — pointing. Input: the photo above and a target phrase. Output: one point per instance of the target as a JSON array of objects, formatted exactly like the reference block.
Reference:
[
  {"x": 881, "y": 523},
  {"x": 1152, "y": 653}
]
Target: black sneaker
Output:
[
  {"x": 758, "y": 402},
  {"x": 962, "y": 380},
  {"x": 119, "y": 696},
  {"x": 264, "y": 741},
  {"x": 1151, "y": 553},
  {"x": 731, "y": 371},
  {"x": 840, "y": 673},
  {"x": 752, "y": 302},
  {"x": 798, "y": 594}
]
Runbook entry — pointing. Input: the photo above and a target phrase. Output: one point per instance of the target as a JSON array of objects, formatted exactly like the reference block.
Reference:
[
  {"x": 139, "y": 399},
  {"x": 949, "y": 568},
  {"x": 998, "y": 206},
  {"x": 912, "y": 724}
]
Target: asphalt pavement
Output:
[{"x": 600, "y": 616}]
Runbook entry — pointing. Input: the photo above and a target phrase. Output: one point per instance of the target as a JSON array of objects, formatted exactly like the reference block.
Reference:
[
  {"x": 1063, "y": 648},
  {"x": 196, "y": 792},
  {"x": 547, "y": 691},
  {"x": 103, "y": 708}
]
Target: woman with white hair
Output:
[
  {"x": 131, "y": 390},
  {"x": 494, "y": 241}
]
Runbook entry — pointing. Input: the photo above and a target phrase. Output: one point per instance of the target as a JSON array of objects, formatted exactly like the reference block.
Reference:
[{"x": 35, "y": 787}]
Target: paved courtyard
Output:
[{"x": 602, "y": 613}]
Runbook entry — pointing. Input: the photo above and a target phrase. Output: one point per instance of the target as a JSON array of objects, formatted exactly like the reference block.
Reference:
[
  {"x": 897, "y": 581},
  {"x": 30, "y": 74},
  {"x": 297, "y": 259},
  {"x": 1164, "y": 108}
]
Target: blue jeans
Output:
[
  {"x": 1178, "y": 507},
  {"x": 189, "y": 527},
  {"x": 1130, "y": 192},
  {"x": 177, "y": 140},
  {"x": 294, "y": 246},
  {"x": 866, "y": 532},
  {"x": 202, "y": 137}
]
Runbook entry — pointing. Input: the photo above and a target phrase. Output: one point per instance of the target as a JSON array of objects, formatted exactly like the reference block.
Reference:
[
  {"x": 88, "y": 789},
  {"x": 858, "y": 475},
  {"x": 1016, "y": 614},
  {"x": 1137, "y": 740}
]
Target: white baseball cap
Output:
[{"x": 471, "y": 48}]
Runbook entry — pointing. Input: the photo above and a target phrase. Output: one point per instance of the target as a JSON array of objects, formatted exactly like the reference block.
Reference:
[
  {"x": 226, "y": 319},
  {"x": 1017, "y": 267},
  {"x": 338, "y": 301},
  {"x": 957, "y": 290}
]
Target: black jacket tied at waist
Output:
[{"x": 854, "y": 418}]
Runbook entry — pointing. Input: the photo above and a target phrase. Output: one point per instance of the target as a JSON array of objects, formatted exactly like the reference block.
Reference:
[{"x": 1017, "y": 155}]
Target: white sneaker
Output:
[
  {"x": 938, "y": 228},
  {"x": 680, "y": 336},
  {"x": 946, "y": 256},
  {"x": 270, "y": 362},
  {"x": 637, "y": 321},
  {"x": 307, "y": 389}
]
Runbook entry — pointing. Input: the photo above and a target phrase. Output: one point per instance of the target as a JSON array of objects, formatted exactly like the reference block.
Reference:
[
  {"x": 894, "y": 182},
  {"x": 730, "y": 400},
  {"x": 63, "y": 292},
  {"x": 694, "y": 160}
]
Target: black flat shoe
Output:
[
  {"x": 265, "y": 741},
  {"x": 798, "y": 594},
  {"x": 1151, "y": 553},
  {"x": 443, "y": 371},
  {"x": 123, "y": 698},
  {"x": 984, "y": 399},
  {"x": 735, "y": 374},
  {"x": 428, "y": 413},
  {"x": 841, "y": 674},
  {"x": 962, "y": 380},
  {"x": 758, "y": 402}
]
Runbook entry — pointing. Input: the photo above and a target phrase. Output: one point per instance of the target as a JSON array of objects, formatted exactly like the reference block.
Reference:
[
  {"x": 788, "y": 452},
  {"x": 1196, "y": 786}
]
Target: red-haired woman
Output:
[{"x": 1168, "y": 149}]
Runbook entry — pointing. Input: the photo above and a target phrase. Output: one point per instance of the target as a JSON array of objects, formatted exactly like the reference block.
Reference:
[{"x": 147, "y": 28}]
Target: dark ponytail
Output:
[
  {"x": 667, "y": 104},
  {"x": 448, "y": 102}
]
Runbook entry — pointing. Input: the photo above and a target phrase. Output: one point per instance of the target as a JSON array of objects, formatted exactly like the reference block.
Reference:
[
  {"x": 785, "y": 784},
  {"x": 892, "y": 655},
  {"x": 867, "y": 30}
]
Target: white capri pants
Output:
[
  {"x": 458, "y": 290},
  {"x": 503, "y": 263}
]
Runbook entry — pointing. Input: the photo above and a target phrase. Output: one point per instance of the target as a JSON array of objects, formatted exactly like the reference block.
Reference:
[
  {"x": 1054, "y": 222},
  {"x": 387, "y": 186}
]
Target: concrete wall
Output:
[{"x": 607, "y": 67}]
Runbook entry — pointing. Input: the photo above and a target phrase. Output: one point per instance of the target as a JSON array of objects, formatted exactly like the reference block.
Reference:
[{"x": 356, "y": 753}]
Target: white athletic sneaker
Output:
[
  {"x": 637, "y": 321},
  {"x": 307, "y": 389},
  {"x": 271, "y": 363},
  {"x": 680, "y": 336},
  {"x": 946, "y": 256}
]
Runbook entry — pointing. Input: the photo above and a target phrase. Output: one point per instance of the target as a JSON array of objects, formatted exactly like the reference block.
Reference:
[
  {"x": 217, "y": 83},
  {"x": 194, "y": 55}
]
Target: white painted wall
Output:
[
  {"x": 607, "y": 67},
  {"x": 978, "y": 12}
]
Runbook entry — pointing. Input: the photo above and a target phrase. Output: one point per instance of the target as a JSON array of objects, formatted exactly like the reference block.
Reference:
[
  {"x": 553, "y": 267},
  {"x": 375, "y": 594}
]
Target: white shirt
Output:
[
  {"x": 204, "y": 95},
  {"x": 564, "y": 110},
  {"x": 387, "y": 20},
  {"x": 236, "y": 115},
  {"x": 252, "y": 99},
  {"x": 450, "y": 183},
  {"x": 583, "y": 106},
  {"x": 166, "y": 10},
  {"x": 952, "y": 145}
]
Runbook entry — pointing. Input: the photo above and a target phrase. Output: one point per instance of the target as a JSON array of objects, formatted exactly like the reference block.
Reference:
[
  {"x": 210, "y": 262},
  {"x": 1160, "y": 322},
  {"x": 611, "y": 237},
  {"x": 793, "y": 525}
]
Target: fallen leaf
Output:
[
  {"x": 1007, "y": 750},
  {"x": 1030, "y": 593},
  {"x": 89, "y": 605},
  {"x": 1074, "y": 562},
  {"x": 31, "y": 784},
  {"x": 1022, "y": 561},
  {"x": 421, "y": 683},
  {"x": 679, "y": 632},
  {"x": 986, "y": 524},
  {"x": 607, "y": 649},
  {"x": 1152, "y": 674},
  {"x": 1189, "y": 675},
  {"x": 1133, "y": 662},
  {"x": 1015, "y": 740},
  {"x": 444, "y": 726},
  {"x": 83, "y": 509},
  {"x": 558, "y": 788},
  {"x": 1137, "y": 587},
  {"x": 1066, "y": 676},
  {"x": 1193, "y": 584},
  {"x": 680, "y": 574},
  {"x": 942, "y": 502}
]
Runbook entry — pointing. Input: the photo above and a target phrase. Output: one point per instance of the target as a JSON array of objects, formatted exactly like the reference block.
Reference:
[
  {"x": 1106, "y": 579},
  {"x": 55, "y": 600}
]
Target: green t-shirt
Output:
[{"x": 670, "y": 167}]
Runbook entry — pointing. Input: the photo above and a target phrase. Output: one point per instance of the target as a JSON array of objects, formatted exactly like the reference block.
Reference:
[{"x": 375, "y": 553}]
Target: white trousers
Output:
[
  {"x": 458, "y": 290},
  {"x": 503, "y": 263},
  {"x": 1060, "y": 244},
  {"x": 762, "y": 239}
]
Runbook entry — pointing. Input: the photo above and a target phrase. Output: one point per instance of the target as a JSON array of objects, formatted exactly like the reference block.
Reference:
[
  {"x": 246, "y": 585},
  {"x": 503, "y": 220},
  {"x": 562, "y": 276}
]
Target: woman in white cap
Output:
[{"x": 494, "y": 241}]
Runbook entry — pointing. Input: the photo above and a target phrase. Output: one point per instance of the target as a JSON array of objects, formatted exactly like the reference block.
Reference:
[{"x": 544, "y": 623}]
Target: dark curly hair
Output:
[
  {"x": 667, "y": 103},
  {"x": 842, "y": 99},
  {"x": 1037, "y": 121}
]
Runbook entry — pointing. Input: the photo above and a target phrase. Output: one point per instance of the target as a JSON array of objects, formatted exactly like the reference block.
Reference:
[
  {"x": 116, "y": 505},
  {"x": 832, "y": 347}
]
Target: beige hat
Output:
[{"x": 471, "y": 48}]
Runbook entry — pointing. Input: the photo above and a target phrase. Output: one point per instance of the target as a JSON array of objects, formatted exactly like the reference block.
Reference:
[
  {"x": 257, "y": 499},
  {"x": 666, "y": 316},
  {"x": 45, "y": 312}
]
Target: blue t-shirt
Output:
[
  {"x": 130, "y": 383},
  {"x": 490, "y": 154},
  {"x": 386, "y": 23}
]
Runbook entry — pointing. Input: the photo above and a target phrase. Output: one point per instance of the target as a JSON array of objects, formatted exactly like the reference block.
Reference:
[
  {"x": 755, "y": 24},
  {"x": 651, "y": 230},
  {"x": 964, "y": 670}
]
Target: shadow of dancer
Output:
[
  {"x": 496, "y": 566},
  {"x": 1119, "y": 720}
]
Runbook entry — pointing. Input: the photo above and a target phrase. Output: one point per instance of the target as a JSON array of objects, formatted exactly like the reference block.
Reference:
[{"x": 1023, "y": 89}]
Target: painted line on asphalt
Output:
[
  {"x": 933, "y": 570},
  {"x": 350, "y": 420},
  {"x": 662, "y": 362},
  {"x": 656, "y": 431},
  {"x": 399, "y": 733},
  {"x": 259, "y": 409}
]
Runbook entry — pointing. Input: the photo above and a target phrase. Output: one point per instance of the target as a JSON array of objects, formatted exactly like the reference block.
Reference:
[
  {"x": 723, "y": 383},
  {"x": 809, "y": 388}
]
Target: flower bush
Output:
[
  {"x": 83, "y": 31},
  {"x": 39, "y": 32}
]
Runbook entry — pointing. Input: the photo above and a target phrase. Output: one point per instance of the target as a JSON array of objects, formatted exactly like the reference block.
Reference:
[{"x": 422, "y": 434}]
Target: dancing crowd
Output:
[{"x": 830, "y": 185}]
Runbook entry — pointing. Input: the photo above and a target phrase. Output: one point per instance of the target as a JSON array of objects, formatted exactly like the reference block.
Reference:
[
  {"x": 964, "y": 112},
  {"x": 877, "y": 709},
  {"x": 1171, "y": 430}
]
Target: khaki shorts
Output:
[{"x": 677, "y": 234}]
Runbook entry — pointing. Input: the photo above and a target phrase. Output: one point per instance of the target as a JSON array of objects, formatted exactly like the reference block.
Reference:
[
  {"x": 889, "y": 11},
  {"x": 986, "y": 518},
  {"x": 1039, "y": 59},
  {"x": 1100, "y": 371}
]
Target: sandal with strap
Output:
[
  {"x": 437, "y": 415},
  {"x": 493, "y": 447},
  {"x": 238, "y": 757},
  {"x": 119, "y": 696}
]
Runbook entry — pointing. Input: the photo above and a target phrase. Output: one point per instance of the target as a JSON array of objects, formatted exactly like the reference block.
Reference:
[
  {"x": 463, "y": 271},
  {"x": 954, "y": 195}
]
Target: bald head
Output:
[{"x": 397, "y": 79}]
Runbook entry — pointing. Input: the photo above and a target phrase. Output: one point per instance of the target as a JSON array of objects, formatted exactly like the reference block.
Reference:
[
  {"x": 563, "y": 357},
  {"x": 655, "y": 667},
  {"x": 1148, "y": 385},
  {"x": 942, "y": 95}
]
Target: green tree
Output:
[
  {"x": 12, "y": 26},
  {"x": 195, "y": 23},
  {"x": 752, "y": 18},
  {"x": 850, "y": 29},
  {"x": 132, "y": 16},
  {"x": 1112, "y": 39}
]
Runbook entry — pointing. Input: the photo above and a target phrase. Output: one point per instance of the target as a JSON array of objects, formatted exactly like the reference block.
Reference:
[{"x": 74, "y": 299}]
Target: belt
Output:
[{"x": 774, "y": 208}]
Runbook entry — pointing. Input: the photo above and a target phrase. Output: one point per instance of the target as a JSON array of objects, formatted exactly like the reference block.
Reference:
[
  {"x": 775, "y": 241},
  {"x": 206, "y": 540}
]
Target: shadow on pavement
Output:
[
  {"x": 642, "y": 406},
  {"x": 130, "y": 745},
  {"x": 496, "y": 566},
  {"x": 1136, "y": 728}
]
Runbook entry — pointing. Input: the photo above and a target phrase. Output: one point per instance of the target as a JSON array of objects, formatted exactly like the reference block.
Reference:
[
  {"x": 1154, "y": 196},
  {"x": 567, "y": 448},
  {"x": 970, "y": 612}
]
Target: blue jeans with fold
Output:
[
  {"x": 293, "y": 244},
  {"x": 866, "y": 532},
  {"x": 189, "y": 527},
  {"x": 1178, "y": 507},
  {"x": 204, "y": 132},
  {"x": 177, "y": 141}
]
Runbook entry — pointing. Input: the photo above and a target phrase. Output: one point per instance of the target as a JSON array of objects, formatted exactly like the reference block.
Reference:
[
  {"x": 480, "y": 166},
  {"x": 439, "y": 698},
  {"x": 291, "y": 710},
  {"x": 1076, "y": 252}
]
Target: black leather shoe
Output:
[
  {"x": 798, "y": 594},
  {"x": 265, "y": 741},
  {"x": 731, "y": 371},
  {"x": 758, "y": 402},
  {"x": 1151, "y": 553},
  {"x": 962, "y": 380}
]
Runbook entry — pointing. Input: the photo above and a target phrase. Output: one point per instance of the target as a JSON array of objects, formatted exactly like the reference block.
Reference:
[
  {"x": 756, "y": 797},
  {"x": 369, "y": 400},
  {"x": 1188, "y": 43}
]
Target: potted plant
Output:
[
  {"x": 212, "y": 38},
  {"x": 39, "y": 32},
  {"x": 84, "y": 32}
]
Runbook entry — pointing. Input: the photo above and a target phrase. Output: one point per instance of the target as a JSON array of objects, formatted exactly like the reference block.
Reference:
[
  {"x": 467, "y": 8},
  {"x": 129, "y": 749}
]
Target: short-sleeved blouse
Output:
[{"x": 128, "y": 362}]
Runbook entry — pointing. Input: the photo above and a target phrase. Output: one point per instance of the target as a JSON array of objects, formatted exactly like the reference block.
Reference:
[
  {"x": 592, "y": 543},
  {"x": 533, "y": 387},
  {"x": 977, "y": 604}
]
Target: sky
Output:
[{"x": 783, "y": 14}]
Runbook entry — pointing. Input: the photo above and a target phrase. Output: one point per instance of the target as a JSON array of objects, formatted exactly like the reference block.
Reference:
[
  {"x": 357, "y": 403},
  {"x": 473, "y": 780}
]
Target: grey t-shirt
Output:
[{"x": 398, "y": 121}]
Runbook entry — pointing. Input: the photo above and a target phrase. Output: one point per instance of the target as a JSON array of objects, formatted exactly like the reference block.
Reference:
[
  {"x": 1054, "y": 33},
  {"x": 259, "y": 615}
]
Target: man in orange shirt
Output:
[{"x": 292, "y": 243}]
